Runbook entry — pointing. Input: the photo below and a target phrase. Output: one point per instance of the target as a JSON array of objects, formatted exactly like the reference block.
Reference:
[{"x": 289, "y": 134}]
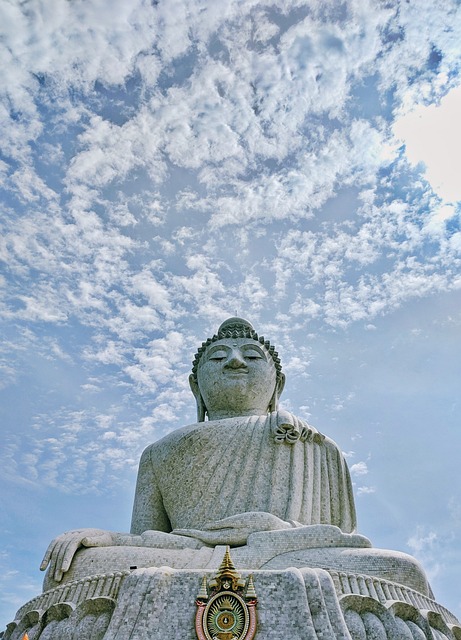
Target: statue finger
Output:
[
  {"x": 58, "y": 576},
  {"x": 90, "y": 541},
  {"x": 190, "y": 533},
  {"x": 208, "y": 537},
  {"x": 205, "y": 536},
  {"x": 98, "y": 540},
  {"x": 47, "y": 556},
  {"x": 231, "y": 522},
  {"x": 219, "y": 536},
  {"x": 54, "y": 559},
  {"x": 67, "y": 553},
  {"x": 215, "y": 526}
]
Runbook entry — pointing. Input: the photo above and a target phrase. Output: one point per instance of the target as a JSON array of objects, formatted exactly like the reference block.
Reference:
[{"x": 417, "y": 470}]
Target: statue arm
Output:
[
  {"x": 148, "y": 510},
  {"x": 148, "y": 514}
]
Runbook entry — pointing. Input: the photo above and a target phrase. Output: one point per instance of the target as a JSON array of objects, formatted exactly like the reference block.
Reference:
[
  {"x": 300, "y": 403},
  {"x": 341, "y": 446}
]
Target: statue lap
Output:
[{"x": 316, "y": 546}]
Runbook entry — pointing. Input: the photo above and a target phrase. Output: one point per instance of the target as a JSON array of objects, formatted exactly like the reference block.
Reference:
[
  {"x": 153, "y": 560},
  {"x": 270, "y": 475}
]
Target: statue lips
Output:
[{"x": 235, "y": 373}]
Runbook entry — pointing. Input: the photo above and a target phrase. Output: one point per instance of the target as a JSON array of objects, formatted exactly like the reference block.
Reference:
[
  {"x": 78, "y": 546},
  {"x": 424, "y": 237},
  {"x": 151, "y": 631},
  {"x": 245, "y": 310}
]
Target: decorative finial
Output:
[
  {"x": 227, "y": 566},
  {"x": 227, "y": 576},
  {"x": 203, "y": 591},
  {"x": 250, "y": 590}
]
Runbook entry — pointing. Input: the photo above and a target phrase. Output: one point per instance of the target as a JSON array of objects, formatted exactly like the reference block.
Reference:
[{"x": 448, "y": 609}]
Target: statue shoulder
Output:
[
  {"x": 331, "y": 444},
  {"x": 170, "y": 439}
]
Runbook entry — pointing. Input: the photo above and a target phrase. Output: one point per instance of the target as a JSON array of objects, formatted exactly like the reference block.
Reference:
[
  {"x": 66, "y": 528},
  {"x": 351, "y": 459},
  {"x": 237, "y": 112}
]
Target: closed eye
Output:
[{"x": 218, "y": 355}]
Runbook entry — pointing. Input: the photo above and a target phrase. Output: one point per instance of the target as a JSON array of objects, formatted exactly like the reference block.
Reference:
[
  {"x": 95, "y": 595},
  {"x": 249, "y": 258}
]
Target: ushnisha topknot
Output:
[{"x": 237, "y": 328}]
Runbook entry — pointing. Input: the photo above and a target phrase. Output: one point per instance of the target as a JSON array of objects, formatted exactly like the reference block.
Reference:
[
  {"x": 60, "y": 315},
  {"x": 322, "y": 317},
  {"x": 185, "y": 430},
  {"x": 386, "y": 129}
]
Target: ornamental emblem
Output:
[{"x": 226, "y": 605}]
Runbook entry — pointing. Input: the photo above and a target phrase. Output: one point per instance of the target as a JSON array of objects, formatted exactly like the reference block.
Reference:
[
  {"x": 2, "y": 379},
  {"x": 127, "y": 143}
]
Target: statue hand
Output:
[
  {"x": 161, "y": 540},
  {"x": 234, "y": 530},
  {"x": 62, "y": 549}
]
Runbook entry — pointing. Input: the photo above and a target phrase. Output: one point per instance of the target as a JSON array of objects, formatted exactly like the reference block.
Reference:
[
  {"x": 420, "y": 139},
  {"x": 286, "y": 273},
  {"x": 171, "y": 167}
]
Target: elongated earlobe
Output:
[
  {"x": 274, "y": 403},
  {"x": 201, "y": 409}
]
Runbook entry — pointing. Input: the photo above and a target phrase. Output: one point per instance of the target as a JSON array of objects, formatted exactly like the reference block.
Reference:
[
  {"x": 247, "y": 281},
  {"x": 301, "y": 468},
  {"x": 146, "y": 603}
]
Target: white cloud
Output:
[
  {"x": 365, "y": 490},
  {"x": 422, "y": 540},
  {"x": 426, "y": 32},
  {"x": 359, "y": 469},
  {"x": 432, "y": 135},
  {"x": 68, "y": 449},
  {"x": 427, "y": 547},
  {"x": 158, "y": 363}
]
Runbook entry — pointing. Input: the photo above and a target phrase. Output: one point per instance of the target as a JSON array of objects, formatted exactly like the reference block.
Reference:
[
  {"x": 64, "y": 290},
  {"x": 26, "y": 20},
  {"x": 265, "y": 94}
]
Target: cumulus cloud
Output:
[
  {"x": 359, "y": 469},
  {"x": 432, "y": 135}
]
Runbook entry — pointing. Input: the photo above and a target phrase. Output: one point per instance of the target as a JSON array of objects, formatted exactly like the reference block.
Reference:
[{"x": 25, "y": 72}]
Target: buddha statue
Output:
[{"x": 247, "y": 474}]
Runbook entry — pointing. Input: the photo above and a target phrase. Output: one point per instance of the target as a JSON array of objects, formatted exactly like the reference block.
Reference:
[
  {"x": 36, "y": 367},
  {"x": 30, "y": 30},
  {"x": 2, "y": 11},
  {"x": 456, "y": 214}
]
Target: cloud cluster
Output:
[{"x": 83, "y": 451}]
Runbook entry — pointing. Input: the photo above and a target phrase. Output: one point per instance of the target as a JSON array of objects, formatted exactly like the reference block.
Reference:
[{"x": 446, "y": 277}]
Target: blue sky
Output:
[{"x": 166, "y": 165}]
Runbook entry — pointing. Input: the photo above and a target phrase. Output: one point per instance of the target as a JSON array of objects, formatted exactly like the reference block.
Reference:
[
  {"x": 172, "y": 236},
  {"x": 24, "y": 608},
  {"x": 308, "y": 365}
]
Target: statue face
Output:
[{"x": 236, "y": 376}]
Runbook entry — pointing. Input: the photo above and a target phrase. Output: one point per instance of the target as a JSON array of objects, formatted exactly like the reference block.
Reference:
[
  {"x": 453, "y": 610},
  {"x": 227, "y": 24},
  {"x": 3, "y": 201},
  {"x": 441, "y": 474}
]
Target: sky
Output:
[{"x": 165, "y": 165}]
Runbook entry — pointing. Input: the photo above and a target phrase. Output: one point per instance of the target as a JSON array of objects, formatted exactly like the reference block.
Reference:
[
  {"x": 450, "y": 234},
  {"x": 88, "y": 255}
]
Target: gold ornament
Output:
[{"x": 226, "y": 606}]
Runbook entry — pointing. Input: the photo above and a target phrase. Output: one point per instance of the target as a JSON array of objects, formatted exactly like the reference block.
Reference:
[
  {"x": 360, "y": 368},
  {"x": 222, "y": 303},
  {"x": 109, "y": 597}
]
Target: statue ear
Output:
[
  {"x": 279, "y": 386},
  {"x": 201, "y": 409}
]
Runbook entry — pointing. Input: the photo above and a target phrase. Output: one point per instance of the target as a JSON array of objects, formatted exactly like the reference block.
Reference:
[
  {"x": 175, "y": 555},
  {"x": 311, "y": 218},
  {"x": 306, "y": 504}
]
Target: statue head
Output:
[{"x": 236, "y": 373}]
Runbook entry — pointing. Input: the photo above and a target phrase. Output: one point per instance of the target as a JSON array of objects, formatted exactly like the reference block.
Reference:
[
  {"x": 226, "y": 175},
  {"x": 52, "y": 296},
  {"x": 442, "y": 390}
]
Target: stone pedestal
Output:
[{"x": 300, "y": 604}]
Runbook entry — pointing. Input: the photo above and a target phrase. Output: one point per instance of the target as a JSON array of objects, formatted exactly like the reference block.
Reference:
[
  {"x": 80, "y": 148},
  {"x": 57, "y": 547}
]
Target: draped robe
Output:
[{"x": 274, "y": 463}]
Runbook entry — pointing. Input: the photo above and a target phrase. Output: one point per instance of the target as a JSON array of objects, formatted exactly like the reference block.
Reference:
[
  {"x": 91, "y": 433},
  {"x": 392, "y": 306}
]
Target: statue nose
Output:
[{"x": 235, "y": 361}]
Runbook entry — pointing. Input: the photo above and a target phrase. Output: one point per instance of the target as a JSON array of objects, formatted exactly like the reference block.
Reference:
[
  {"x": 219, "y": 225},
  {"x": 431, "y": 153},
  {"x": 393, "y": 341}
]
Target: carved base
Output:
[{"x": 159, "y": 603}]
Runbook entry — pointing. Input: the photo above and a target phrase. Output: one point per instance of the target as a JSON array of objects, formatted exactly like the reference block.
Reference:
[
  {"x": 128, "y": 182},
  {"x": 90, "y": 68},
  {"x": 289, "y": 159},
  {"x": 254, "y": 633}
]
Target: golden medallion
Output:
[{"x": 226, "y": 605}]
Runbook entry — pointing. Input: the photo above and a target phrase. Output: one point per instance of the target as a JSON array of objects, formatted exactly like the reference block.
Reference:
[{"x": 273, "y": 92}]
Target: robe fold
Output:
[{"x": 210, "y": 470}]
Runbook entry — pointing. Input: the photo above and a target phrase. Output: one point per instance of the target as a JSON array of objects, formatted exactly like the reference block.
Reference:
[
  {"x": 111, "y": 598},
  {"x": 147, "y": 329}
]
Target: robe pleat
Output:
[{"x": 275, "y": 463}]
